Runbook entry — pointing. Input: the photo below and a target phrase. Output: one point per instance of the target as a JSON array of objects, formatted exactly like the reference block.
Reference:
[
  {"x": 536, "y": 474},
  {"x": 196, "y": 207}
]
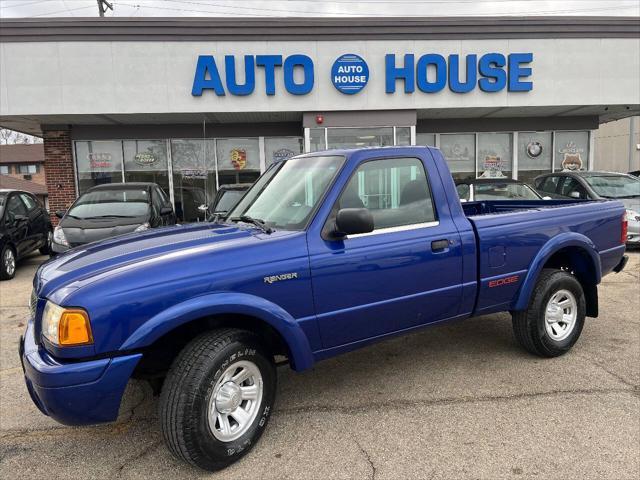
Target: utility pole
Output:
[{"x": 103, "y": 5}]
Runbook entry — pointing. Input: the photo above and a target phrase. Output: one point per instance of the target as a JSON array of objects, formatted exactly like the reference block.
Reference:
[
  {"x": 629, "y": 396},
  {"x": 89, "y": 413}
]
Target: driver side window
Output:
[
  {"x": 394, "y": 190},
  {"x": 15, "y": 206}
]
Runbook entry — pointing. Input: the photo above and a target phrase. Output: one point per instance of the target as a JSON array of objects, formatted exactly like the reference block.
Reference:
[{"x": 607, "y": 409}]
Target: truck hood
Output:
[{"x": 79, "y": 266}]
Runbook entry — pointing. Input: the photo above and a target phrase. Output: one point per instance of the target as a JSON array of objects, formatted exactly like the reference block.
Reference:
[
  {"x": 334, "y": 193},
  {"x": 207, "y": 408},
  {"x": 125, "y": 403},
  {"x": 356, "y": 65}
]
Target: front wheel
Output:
[
  {"x": 217, "y": 398},
  {"x": 553, "y": 321},
  {"x": 7, "y": 263}
]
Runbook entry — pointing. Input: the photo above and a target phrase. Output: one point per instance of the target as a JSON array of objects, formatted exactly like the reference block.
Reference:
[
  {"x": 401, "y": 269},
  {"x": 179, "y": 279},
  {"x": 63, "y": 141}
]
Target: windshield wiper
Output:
[{"x": 255, "y": 221}]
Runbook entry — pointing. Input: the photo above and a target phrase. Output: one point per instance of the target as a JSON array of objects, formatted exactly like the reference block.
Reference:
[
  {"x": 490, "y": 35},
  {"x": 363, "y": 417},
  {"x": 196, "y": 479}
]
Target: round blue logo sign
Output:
[{"x": 349, "y": 73}]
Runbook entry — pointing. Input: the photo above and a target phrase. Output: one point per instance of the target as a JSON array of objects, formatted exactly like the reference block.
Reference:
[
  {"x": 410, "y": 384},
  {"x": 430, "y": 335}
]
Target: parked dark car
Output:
[
  {"x": 479, "y": 189},
  {"x": 226, "y": 198},
  {"x": 597, "y": 186},
  {"x": 109, "y": 210},
  {"x": 24, "y": 227}
]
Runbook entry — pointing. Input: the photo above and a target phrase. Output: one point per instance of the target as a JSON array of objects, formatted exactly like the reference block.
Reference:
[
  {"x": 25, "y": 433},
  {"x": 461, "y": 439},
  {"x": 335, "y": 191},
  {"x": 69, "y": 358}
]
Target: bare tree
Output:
[{"x": 10, "y": 137}]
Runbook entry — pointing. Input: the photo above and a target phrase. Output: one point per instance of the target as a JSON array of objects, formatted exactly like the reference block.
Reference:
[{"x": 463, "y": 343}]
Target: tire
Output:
[
  {"x": 8, "y": 263},
  {"x": 46, "y": 248},
  {"x": 193, "y": 389},
  {"x": 546, "y": 328}
]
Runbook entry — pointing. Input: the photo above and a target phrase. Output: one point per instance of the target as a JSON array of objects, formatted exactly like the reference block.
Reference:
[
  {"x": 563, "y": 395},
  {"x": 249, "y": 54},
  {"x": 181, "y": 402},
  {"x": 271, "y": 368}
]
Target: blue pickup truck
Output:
[{"x": 326, "y": 253}]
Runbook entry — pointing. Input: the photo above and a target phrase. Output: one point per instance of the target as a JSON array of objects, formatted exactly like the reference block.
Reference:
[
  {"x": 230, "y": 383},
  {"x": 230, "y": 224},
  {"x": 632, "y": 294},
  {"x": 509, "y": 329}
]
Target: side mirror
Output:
[
  {"x": 60, "y": 213},
  {"x": 574, "y": 194},
  {"x": 166, "y": 210},
  {"x": 351, "y": 221}
]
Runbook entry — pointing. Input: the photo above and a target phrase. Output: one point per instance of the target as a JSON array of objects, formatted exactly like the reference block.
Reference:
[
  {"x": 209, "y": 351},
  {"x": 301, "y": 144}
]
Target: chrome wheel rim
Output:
[
  {"x": 235, "y": 400},
  {"x": 561, "y": 314},
  {"x": 9, "y": 261}
]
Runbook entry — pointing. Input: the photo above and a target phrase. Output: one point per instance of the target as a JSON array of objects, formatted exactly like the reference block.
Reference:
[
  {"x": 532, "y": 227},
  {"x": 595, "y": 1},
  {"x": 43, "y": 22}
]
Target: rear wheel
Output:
[
  {"x": 7, "y": 263},
  {"x": 217, "y": 398},
  {"x": 553, "y": 322}
]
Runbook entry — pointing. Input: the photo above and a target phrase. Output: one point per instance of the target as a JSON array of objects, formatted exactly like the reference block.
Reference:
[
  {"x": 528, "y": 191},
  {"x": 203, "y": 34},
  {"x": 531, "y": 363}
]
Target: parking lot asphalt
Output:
[{"x": 456, "y": 401}]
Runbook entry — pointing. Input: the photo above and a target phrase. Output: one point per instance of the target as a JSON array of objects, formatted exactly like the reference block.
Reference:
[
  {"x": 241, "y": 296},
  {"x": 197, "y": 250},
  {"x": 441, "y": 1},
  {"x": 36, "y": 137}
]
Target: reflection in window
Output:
[
  {"x": 194, "y": 177},
  {"x": 359, "y": 137},
  {"x": 281, "y": 148},
  {"x": 146, "y": 161},
  {"x": 403, "y": 136},
  {"x": 428, "y": 139},
  {"x": 572, "y": 150},
  {"x": 460, "y": 152},
  {"x": 535, "y": 152},
  {"x": 98, "y": 162},
  {"x": 494, "y": 155},
  {"x": 238, "y": 160},
  {"x": 316, "y": 140}
]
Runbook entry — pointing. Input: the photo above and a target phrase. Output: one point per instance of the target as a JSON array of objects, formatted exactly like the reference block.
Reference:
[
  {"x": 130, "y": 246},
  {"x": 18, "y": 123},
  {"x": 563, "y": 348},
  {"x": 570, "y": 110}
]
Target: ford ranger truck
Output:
[{"x": 326, "y": 253}]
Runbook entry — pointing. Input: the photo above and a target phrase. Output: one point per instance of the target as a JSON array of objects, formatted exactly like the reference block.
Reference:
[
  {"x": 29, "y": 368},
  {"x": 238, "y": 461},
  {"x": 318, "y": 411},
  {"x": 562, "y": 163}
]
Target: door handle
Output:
[{"x": 439, "y": 245}]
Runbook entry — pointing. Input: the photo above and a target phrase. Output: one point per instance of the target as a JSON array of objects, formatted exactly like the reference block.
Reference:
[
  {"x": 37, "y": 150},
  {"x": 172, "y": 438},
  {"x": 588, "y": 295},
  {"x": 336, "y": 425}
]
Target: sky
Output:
[{"x": 311, "y": 8}]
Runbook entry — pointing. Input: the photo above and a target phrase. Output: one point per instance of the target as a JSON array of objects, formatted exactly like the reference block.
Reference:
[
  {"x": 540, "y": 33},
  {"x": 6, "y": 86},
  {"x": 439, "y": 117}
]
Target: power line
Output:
[
  {"x": 18, "y": 5},
  {"x": 62, "y": 11}
]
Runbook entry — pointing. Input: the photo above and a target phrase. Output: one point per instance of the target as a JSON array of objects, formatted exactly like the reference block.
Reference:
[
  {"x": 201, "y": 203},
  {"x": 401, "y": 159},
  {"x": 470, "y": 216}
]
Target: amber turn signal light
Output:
[{"x": 74, "y": 328}]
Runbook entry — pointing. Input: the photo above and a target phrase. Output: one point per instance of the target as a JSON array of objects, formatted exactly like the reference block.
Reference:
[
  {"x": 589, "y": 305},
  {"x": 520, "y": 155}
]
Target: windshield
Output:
[
  {"x": 228, "y": 200},
  {"x": 287, "y": 194},
  {"x": 614, "y": 186},
  {"x": 504, "y": 191},
  {"x": 111, "y": 203}
]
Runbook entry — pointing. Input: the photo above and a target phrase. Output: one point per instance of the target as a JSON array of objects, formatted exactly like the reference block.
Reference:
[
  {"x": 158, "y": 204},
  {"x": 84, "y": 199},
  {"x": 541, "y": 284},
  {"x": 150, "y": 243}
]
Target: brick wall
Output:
[{"x": 58, "y": 165}]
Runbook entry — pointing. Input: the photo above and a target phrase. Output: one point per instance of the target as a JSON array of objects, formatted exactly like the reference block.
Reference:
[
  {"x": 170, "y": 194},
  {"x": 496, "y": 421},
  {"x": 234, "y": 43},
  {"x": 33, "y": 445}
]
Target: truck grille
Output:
[{"x": 33, "y": 303}]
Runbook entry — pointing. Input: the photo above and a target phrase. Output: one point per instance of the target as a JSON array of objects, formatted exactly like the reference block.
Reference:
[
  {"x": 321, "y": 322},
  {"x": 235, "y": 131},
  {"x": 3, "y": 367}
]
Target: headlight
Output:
[
  {"x": 59, "y": 238},
  {"x": 66, "y": 326},
  {"x": 632, "y": 215},
  {"x": 142, "y": 228}
]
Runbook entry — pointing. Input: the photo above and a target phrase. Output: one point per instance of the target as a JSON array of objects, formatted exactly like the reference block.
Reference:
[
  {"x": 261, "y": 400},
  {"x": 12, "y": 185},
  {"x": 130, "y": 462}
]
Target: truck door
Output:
[{"x": 405, "y": 273}]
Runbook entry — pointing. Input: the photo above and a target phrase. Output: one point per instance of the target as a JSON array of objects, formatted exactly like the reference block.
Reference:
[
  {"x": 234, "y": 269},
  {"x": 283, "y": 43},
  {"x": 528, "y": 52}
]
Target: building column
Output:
[{"x": 58, "y": 167}]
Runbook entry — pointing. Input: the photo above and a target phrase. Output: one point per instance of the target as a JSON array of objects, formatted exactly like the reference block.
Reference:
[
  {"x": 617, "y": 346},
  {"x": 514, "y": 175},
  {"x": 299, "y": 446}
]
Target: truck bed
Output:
[{"x": 509, "y": 235}]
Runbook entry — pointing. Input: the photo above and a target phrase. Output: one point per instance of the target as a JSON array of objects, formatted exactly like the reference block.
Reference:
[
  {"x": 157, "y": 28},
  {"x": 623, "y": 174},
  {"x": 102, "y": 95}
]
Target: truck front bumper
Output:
[{"x": 74, "y": 393}]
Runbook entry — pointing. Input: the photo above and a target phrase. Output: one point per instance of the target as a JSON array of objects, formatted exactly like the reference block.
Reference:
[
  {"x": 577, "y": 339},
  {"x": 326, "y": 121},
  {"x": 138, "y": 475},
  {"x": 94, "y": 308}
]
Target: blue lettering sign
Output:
[
  {"x": 440, "y": 65},
  {"x": 249, "y": 75},
  {"x": 455, "y": 85},
  {"x": 269, "y": 62},
  {"x": 307, "y": 69},
  {"x": 516, "y": 72},
  {"x": 349, "y": 73},
  {"x": 491, "y": 72},
  {"x": 491, "y": 68},
  {"x": 393, "y": 73},
  {"x": 206, "y": 65}
]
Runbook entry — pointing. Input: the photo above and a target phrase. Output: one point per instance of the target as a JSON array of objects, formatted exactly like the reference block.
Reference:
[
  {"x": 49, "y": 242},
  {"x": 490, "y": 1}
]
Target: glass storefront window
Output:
[
  {"x": 535, "y": 151},
  {"x": 495, "y": 155},
  {"x": 459, "y": 149},
  {"x": 403, "y": 136},
  {"x": 572, "y": 150},
  {"x": 281, "y": 148},
  {"x": 194, "y": 177},
  {"x": 428, "y": 139},
  {"x": 98, "y": 162},
  {"x": 317, "y": 140},
  {"x": 146, "y": 161},
  {"x": 359, "y": 137},
  {"x": 238, "y": 160}
]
